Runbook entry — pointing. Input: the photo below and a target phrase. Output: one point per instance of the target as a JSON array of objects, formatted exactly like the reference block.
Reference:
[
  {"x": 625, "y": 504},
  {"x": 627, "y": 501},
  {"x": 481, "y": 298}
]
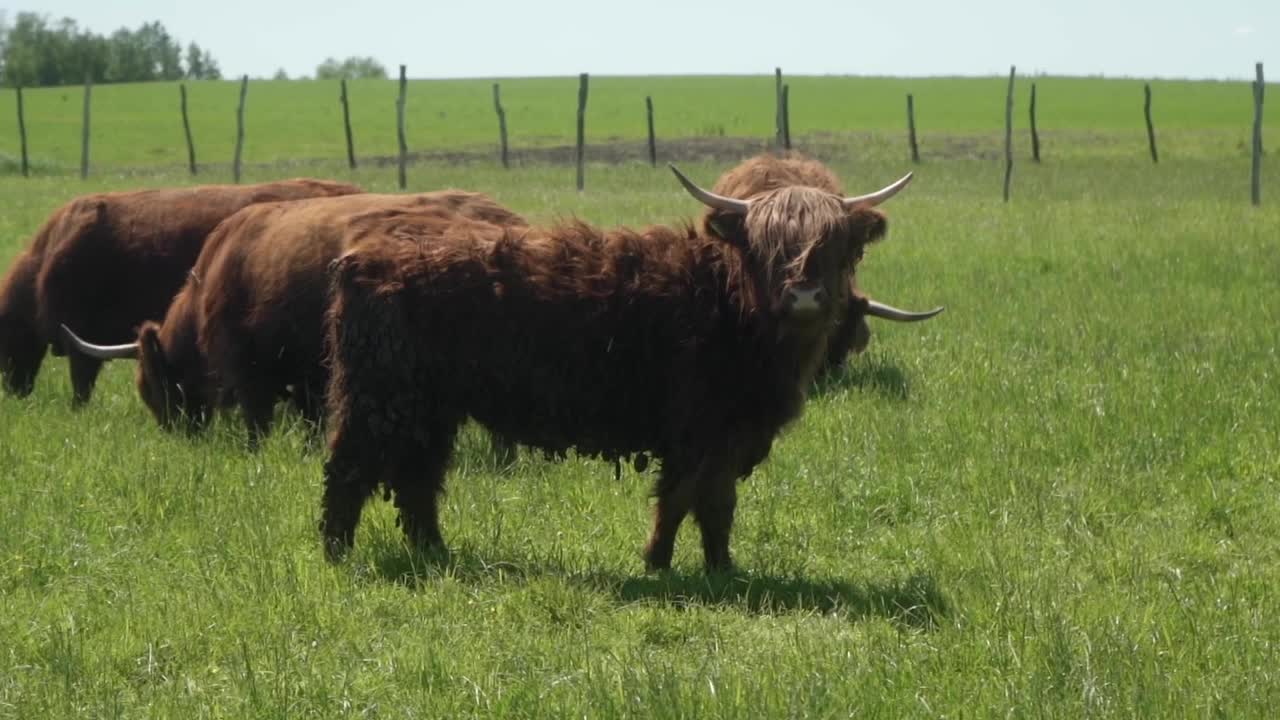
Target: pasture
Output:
[{"x": 1059, "y": 498}]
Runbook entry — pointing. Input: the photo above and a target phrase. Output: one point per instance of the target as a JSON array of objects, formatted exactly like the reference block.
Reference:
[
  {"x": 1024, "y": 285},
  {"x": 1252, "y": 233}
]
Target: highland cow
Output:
[
  {"x": 247, "y": 328},
  {"x": 667, "y": 342},
  {"x": 764, "y": 173},
  {"x": 106, "y": 262}
]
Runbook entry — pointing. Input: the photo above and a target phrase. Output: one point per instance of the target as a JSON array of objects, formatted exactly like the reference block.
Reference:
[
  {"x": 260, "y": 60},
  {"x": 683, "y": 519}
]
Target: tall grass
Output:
[{"x": 1057, "y": 499}]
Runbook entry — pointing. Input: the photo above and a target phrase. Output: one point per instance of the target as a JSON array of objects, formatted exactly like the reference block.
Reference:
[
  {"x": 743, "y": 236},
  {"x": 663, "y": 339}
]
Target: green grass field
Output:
[{"x": 1061, "y": 498}]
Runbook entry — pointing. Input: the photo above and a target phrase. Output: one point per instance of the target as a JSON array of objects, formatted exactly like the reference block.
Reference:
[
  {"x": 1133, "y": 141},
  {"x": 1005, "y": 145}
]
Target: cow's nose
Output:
[{"x": 805, "y": 300}]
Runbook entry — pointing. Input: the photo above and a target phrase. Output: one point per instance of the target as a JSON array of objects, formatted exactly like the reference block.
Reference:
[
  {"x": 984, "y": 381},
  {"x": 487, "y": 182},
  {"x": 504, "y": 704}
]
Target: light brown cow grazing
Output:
[{"x": 105, "y": 263}]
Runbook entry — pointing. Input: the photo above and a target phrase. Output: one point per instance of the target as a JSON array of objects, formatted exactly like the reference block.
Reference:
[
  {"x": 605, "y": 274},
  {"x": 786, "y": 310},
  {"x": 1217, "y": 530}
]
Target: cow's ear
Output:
[
  {"x": 726, "y": 226},
  {"x": 868, "y": 225},
  {"x": 151, "y": 354}
]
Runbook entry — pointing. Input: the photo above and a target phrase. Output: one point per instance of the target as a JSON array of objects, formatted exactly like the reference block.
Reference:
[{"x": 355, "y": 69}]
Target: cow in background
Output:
[{"x": 107, "y": 262}]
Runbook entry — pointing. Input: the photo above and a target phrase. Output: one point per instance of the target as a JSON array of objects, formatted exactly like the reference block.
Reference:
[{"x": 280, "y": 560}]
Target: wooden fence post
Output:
[
  {"x": 235, "y": 166},
  {"x": 502, "y": 124},
  {"x": 1151, "y": 129},
  {"x": 1008, "y": 134},
  {"x": 346, "y": 126},
  {"x": 1255, "y": 179},
  {"x": 22, "y": 136},
  {"x": 404, "y": 146},
  {"x": 186, "y": 129},
  {"x": 582, "y": 117},
  {"x": 786, "y": 116},
  {"x": 84, "y": 138},
  {"x": 1035, "y": 136},
  {"x": 777, "y": 108},
  {"x": 653, "y": 141},
  {"x": 911, "y": 129}
]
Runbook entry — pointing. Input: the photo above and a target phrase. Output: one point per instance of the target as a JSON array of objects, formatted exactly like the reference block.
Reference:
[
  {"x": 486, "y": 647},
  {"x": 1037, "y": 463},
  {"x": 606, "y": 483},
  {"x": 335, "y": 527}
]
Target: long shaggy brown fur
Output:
[
  {"x": 666, "y": 342},
  {"x": 764, "y": 173},
  {"x": 248, "y": 325},
  {"x": 104, "y": 263}
]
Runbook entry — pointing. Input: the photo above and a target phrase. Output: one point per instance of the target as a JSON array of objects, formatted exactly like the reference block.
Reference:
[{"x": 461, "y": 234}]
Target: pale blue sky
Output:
[{"x": 461, "y": 38}]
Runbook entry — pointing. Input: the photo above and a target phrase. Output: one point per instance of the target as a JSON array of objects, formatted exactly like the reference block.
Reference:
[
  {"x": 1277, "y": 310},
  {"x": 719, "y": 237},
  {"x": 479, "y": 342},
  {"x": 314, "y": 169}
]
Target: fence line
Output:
[
  {"x": 911, "y": 129},
  {"x": 782, "y": 128},
  {"x": 1035, "y": 135},
  {"x": 582, "y": 129},
  {"x": 84, "y": 138},
  {"x": 786, "y": 116},
  {"x": 244, "y": 90},
  {"x": 653, "y": 141},
  {"x": 22, "y": 134},
  {"x": 1151, "y": 128},
  {"x": 502, "y": 124},
  {"x": 186, "y": 129},
  {"x": 1255, "y": 174},
  {"x": 1008, "y": 134},
  {"x": 400, "y": 138},
  {"x": 346, "y": 125},
  {"x": 777, "y": 106}
]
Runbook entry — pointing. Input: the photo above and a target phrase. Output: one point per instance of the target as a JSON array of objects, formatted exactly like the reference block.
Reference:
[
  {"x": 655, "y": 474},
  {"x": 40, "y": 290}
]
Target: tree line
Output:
[{"x": 36, "y": 52}]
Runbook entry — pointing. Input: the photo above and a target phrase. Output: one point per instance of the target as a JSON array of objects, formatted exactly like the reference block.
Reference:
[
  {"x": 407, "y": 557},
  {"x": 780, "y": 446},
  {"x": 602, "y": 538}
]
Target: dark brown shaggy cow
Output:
[
  {"x": 764, "y": 173},
  {"x": 248, "y": 326},
  {"x": 104, "y": 263},
  {"x": 665, "y": 341}
]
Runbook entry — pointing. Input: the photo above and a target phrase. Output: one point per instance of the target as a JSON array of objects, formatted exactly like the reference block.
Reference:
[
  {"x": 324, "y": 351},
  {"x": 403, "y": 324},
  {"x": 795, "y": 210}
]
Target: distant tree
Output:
[
  {"x": 195, "y": 63},
  {"x": 280, "y": 74},
  {"x": 353, "y": 68},
  {"x": 34, "y": 52}
]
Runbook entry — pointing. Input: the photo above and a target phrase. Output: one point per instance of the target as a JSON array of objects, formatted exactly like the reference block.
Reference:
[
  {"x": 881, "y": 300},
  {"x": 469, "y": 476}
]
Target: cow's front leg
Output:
[{"x": 717, "y": 498}]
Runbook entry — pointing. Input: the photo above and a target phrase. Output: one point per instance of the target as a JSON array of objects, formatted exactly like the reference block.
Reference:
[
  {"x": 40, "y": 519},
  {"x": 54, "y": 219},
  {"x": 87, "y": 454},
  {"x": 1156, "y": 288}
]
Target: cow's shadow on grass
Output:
[
  {"x": 875, "y": 375},
  {"x": 915, "y": 601}
]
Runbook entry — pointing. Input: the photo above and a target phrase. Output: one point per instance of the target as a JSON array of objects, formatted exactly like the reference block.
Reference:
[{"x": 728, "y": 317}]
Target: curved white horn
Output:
[
  {"x": 877, "y": 197},
  {"x": 128, "y": 351},
  {"x": 710, "y": 199},
  {"x": 889, "y": 312}
]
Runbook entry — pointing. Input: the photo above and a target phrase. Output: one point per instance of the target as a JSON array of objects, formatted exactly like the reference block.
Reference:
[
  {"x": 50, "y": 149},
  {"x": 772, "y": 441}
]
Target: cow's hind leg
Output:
[
  {"x": 84, "y": 374},
  {"x": 417, "y": 480},
  {"x": 503, "y": 450},
  {"x": 348, "y": 483},
  {"x": 674, "y": 491}
]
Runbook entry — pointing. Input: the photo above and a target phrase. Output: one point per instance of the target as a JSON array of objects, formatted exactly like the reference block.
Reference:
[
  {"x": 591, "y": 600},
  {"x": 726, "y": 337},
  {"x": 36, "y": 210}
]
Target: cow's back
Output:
[
  {"x": 119, "y": 258},
  {"x": 265, "y": 277}
]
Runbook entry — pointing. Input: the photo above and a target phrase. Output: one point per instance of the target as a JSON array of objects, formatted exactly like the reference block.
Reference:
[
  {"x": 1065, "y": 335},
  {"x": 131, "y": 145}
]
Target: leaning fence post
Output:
[
  {"x": 786, "y": 116},
  {"x": 777, "y": 106},
  {"x": 911, "y": 129},
  {"x": 653, "y": 141},
  {"x": 1151, "y": 129},
  {"x": 186, "y": 129},
  {"x": 1255, "y": 179},
  {"x": 1008, "y": 134},
  {"x": 582, "y": 118},
  {"x": 84, "y": 138},
  {"x": 244, "y": 90},
  {"x": 404, "y": 146},
  {"x": 502, "y": 124},
  {"x": 22, "y": 136},
  {"x": 1035, "y": 136},
  {"x": 346, "y": 126}
]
